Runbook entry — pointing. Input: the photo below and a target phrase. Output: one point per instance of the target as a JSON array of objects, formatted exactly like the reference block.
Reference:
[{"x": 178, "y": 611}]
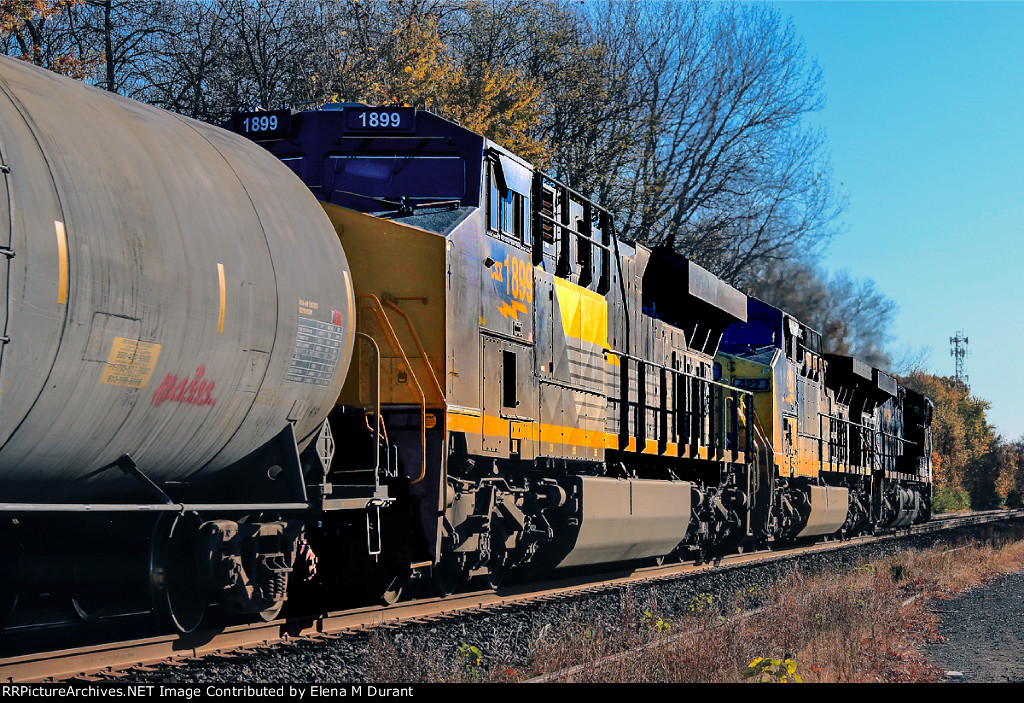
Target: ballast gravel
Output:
[
  {"x": 984, "y": 633},
  {"x": 507, "y": 635}
]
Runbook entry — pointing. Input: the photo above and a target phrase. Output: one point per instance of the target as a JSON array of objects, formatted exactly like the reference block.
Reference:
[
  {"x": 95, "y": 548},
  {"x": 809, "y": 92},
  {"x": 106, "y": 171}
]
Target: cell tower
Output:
[{"x": 958, "y": 350}]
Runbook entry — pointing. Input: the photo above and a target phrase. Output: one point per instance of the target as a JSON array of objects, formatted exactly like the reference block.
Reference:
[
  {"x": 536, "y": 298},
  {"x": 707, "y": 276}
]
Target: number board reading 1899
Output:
[
  {"x": 380, "y": 119},
  {"x": 263, "y": 125}
]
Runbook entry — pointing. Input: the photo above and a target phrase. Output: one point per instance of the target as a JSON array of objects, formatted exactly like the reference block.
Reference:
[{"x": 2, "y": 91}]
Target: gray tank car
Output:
[
  {"x": 176, "y": 324},
  {"x": 160, "y": 295}
]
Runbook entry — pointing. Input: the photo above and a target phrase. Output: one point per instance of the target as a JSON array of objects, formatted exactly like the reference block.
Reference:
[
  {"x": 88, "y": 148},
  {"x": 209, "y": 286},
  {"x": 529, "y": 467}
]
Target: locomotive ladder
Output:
[{"x": 395, "y": 344}]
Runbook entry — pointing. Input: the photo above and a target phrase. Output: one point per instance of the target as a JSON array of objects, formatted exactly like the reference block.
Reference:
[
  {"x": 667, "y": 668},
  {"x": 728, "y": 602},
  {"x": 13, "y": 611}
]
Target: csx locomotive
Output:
[{"x": 205, "y": 398}]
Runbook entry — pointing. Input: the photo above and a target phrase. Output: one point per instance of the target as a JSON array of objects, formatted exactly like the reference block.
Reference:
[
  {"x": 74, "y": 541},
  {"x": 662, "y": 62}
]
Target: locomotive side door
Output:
[{"x": 509, "y": 398}]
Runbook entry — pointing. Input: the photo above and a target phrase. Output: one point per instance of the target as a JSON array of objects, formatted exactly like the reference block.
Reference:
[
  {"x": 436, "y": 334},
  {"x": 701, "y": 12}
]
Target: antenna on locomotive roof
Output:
[{"x": 959, "y": 352}]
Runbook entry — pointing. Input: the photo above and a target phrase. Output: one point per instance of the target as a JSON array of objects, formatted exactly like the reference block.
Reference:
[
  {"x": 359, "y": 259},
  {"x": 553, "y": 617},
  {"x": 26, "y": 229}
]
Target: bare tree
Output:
[
  {"x": 37, "y": 31},
  {"x": 684, "y": 118},
  {"x": 217, "y": 56},
  {"x": 124, "y": 34},
  {"x": 853, "y": 316},
  {"x": 721, "y": 168}
]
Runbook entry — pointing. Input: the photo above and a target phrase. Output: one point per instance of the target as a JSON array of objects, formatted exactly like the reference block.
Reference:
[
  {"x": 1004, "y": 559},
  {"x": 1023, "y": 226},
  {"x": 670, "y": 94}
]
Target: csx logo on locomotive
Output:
[{"x": 512, "y": 280}]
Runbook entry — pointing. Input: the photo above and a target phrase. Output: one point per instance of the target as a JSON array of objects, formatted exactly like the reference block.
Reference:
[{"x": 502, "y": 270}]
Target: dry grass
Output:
[{"x": 865, "y": 624}]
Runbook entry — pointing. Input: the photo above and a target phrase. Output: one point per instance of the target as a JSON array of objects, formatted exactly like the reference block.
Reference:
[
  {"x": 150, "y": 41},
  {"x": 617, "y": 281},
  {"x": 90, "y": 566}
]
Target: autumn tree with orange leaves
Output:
[
  {"x": 973, "y": 466},
  {"x": 28, "y": 32},
  {"x": 398, "y": 53}
]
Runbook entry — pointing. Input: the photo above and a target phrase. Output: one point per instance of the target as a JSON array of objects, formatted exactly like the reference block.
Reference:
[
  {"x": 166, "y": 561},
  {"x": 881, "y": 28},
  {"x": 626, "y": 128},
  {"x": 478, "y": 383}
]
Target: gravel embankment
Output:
[
  {"x": 506, "y": 636},
  {"x": 984, "y": 631}
]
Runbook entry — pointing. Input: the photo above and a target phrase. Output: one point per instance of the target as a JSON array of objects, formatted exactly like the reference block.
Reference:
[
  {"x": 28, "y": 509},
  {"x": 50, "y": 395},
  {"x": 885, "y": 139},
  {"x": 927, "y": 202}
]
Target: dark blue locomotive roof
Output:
[
  {"x": 762, "y": 330},
  {"x": 391, "y": 162}
]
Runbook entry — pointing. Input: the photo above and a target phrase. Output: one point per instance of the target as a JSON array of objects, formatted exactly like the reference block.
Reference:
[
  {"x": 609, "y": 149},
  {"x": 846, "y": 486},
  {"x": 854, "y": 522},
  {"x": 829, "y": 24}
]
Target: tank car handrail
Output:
[{"x": 396, "y": 346}]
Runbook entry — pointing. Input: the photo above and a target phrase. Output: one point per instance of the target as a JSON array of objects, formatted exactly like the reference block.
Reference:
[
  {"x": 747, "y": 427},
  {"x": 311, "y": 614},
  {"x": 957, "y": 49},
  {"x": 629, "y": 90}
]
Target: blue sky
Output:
[{"x": 925, "y": 123}]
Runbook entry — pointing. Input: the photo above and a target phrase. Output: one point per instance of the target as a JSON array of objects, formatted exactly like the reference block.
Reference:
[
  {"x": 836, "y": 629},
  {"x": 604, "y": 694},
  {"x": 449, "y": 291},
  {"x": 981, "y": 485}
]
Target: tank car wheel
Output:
[{"x": 176, "y": 596}]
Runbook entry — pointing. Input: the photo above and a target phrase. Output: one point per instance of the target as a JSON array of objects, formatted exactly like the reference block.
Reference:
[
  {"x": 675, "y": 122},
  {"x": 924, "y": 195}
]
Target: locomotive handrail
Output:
[
  {"x": 419, "y": 347},
  {"x": 760, "y": 437},
  {"x": 578, "y": 235},
  {"x": 396, "y": 346},
  {"x": 869, "y": 447},
  {"x": 878, "y": 432},
  {"x": 377, "y": 420},
  {"x": 678, "y": 372},
  {"x": 557, "y": 183},
  {"x": 734, "y": 394}
]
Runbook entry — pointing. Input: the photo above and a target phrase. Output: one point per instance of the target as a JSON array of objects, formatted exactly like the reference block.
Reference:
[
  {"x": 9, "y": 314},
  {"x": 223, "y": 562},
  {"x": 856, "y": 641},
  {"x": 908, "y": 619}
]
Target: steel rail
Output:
[{"x": 109, "y": 661}]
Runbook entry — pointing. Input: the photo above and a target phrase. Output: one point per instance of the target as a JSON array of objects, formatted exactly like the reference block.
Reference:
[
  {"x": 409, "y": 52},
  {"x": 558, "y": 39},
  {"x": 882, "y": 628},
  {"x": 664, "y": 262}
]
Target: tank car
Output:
[{"x": 177, "y": 320}]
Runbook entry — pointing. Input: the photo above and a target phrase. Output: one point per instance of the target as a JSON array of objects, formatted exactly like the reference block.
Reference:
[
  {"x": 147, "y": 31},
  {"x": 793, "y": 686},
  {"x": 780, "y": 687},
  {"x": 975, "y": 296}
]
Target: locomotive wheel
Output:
[
  {"x": 176, "y": 596},
  {"x": 88, "y": 609},
  {"x": 497, "y": 567},
  {"x": 446, "y": 578},
  {"x": 270, "y": 613},
  {"x": 8, "y": 602},
  {"x": 394, "y": 591},
  {"x": 746, "y": 545}
]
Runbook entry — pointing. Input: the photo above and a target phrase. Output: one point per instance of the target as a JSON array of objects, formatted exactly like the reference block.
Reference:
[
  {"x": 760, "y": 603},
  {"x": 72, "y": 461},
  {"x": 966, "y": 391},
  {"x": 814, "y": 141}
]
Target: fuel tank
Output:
[{"x": 171, "y": 293}]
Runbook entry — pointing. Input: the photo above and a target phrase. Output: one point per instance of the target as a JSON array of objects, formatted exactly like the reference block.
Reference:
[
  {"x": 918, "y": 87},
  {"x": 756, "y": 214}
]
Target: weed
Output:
[
  {"x": 772, "y": 671},
  {"x": 655, "y": 622},
  {"x": 848, "y": 623},
  {"x": 699, "y": 603},
  {"x": 470, "y": 658}
]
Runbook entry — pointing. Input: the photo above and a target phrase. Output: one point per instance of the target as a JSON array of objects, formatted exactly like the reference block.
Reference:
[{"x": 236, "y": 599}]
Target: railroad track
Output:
[{"x": 109, "y": 661}]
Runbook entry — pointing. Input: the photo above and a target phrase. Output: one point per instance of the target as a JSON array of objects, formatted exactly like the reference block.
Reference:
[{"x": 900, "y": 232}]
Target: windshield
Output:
[
  {"x": 394, "y": 177},
  {"x": 745, "y": 338}
]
